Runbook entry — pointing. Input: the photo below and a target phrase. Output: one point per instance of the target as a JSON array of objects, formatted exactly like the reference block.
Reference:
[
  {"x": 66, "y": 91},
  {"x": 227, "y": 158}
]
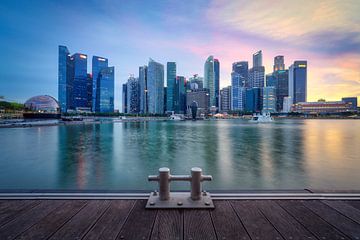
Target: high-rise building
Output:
[
  {"x": 106, "y": 90},
  {"x": 287, "y": 102},
  {"x": 352, "y": 100},
  {"x": 179, "y": 95},
  {"x": 133, "y": 100},
  {"x": 298, "y": 81},
  {"x": 196, "y": 82},
  {"x": 239, "y": 79},
  {"x": 202, "y": 99},
  {"x": 282, "y": 87},
  {"x": 257, "y": 72},
  {"x": 98, "y": 63},
  {"x": 270, "y": 80},
  {"x": 253, "y": 100},
  {"x": 89, "y": 88},
  {"x": 170, "y": 81},
  {"x": 209, "y": 79},
  {"x": 80, "y": 82},
  {"x": 65, "y": 79},
  {"x": 155, "y": 87},
  {"x": 279, "y": 63},
  {"x": 124, "y": 98},
  {"x": 143, "y": 89},
  {"x": 217, "y": 81},
  {"x": 225, "y": 99},
  {"x": 269, "y": 100}
]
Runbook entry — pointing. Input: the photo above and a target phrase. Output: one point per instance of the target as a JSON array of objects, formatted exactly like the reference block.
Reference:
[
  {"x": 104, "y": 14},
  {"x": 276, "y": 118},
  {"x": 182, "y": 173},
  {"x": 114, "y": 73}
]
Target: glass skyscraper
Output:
[
  {"x": 239, "y": 78},
  {"x": 209, "y": 79},
  {"x": 98, "y": 63},
  {"x": 257, "y": 72},
  {"x": 217, "y": 82},
  {"x": 253, "y": 101},
  {"x": 143, "y": 94},
  {"x": 155, "y": 87},
  {"x": 65, "y": 79},
  {"x": 80, "y": 82},
  {"x": 179, "y": 95},
  {"x": 298, "y": 81},
  {"x": 269, "y": 100},
  {"x": 279, "y": 63},
  {"x": 170, "y": 81},
  {"x": 133, "y": 92},
  {"x": 106, "y": 93},
  {"x": 124, "y": 98}
]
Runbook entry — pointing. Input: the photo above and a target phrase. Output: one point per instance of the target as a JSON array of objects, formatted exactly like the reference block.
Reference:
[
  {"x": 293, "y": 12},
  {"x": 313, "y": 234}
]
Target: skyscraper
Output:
[
  {"x": 225, "y": 99},
  {"x": 98, "y": 63},
  {"x": 124, "y": 98},
  {"x": 239, "y": 79},
  {"x": 209, "y": 79},
  {"x": 281, "y": 87},
  {"x": 269, "y": 100},
  {"x": 143, "y": 89},
  {"x": 196, "y": 82},
  {"x": 217, "y": 81},
  {"x": 89, "y": 88},
  {"x": 179, "y": 95},
  {"x": 133, "y": 100},
  {"x": 65, "y": 79},
  {"x": 298, "y": 81},
  {"x": 80, "y": 82},
  {"x": 170, "y": 81},
  {"x": 155, "y": 87},
  {"x": 257, "y": 72},
  {"x": 253, "y": 101},
  {"x": 279, "y": 63},
  {"x": 106, "y": 91}
]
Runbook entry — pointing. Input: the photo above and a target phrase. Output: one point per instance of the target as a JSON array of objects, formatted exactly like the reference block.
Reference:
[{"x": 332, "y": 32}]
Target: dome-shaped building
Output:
[{"x": 42, "y": 106}]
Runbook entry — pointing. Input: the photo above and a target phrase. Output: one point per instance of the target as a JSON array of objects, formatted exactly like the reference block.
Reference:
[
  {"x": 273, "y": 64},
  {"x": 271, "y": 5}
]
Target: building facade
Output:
[
  {"x": 65, "y": 79},
  {"x": 80, "y": 99},
  {"x": 209, "y": 79},
  {"x": 143, "y": 85},
  {"x": 352, "y": 100},
  {"x": 239, "y": 81},
  {"x": 257, "y": 72},
  {"x": 322, "y": 107},
  {"x": 202, "y": 98},
  {"x": 124, "y": 98},
  {"x": 179, "y": 98},
  {"x": 196, "y": 82},
  {"x": 298, "y": 81},
  {"x": 170, "y": 82},
  {"x": 133, "y": 92},
  {"x": 279, "y": 63},
  {"x": 282, "y": 87},
  {"x": 217, "y": 82},
  {"x": 269, "y": 100},
  {"x": 106, "y": 90},
  {"x": 225, "y": 99},
  {"x": 155, "y": 87},
  {"x": 98, "y": 63},
  {"x": 253, "y": 100}
]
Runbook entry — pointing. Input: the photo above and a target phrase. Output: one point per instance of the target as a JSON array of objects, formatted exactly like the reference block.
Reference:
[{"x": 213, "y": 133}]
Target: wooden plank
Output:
[
  {"x": 288, "y": 227},
  {"x": 110, "y": 223},
  {"x": 226, "y": 223},
  {"x": 52, "y": 222},
  {"x": 256, "y": 225},
  {"x": 139, "y": 223},
  {"x": 29, "y": 218},
  {"x": 346, "y": 209},
  {"x": 354, "y": 203},
  {"x": 316, "y": 225},
  {"x": 168, "y": 225},
  {"x": 342, "y": 223},
  {"x": 198, "y": 225},
  {"x": 79, "y": 225},
  {"x": 14, "y": 208}
]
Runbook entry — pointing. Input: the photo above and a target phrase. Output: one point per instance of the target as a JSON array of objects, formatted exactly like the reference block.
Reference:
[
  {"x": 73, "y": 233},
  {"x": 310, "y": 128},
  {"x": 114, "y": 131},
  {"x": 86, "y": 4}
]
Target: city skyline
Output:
[{"x": 326, "y": 34}]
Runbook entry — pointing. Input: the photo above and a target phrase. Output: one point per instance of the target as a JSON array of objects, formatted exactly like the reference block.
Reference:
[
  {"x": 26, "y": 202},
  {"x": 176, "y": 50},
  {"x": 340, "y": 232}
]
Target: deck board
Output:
[{"x": 128, "y": 219}]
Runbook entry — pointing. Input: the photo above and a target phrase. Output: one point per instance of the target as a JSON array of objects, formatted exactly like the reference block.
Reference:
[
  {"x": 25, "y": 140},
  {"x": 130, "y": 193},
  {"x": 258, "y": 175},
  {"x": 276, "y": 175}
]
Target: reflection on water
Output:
[{"x": 287, "y": 154}]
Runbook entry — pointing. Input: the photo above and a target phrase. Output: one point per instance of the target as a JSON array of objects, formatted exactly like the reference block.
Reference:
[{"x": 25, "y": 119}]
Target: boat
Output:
[
  {"x": 261, "y": 118},
  {"x": 175, "y": 117}
]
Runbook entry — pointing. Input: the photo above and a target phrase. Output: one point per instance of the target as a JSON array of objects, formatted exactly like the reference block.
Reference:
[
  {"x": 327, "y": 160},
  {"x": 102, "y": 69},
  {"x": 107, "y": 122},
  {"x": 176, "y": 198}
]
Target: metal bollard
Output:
[{"x": 164, "y": 182}]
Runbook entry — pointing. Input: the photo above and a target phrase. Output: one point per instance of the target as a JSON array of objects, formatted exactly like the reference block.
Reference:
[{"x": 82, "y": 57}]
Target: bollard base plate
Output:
[{"x": 180, "y": 200}]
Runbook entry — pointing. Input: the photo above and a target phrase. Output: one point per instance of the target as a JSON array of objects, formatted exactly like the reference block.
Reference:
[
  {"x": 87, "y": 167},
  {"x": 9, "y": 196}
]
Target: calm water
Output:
[{"x": 287, "y": 154}]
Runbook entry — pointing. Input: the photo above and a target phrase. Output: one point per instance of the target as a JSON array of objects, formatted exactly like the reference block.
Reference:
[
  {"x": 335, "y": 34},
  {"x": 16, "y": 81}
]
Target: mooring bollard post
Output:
[
  {"x": 196, "y": 183},
  {"x": 164, "y": 183}
]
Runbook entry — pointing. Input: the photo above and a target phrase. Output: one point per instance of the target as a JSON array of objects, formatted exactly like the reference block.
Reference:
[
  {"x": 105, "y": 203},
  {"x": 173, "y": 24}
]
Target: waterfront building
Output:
[
  {"x": 287, "y": 102},
  {"x": 155, "y": 87},
  {"x": 239, "y": 80},
  {"x": 253, "y": 100},
  {"x": 179, "y": 95},
  {"x": 282, "y": 87},
  {"x": 106, "y": 90},
  {"x": 257, "y": 72},
  {"x": 89, "y": 89},
  {"x": 124, "y": 98},
  {"x": 225, "y": 99},
  {"x": 170, "y": 84},
  {"x": 209, "y": 79},
  {"x": 352, "y": 100},
  {"x": 80, "y": 82},
  {"x": 298, "y": 81},
  {"x": 270, "y": 80},
  {"x": 65, "y": 79},
  {"x": 196, "y": 82},
  {"x": 98, "y": 63},
  {"x": 42, "y": 106},
  {"x": 133, "y": 100},
  {"x": 269, "y": 100},
  {"x": 217, "y": 82},
  {"x": 202, "y": 98},
  {"x": 279, "y": 63},
  {"x": 322, "y": 107},
  {"x": 143, "y": 85}
]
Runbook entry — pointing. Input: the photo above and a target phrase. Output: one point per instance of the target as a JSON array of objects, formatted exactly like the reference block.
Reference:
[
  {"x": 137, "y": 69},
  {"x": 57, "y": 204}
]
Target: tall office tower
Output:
[
  {"x": 124, "y": 98},
  {"x": 257, "y": 72},
  {"x": 65, "y": 79},
  {"x": 281, "y": 87},
  {"x": 80, "y": 82},
  {"x": 202, "y": 98},
  {"x": 195, "y": 80},
  {"x": 106, "y": 90},
  {"x": 143, "y": 89},
  {"x": 239, "y": 79},
  {"x": 287, "y": 102},
  {"x": 270, "y": 80},
  {"x": 165, "y": 97},
  {"x": 179, "y": 95},
  {"x": 217, "y": 81},
  {"x": 98, "y": 63},
  {"x": 225, "y": 99},
  {"x": 253, "y": 100},
  {"x": 209, "y": 79},
  {"x": 133, "y": 99},
  {"x": 170, "y": 81},
  {"x": 279, "y": 63},
  {"x": 269, "y": 100},
  {"x": 155, "y": 87},
  {"x": 298, "y": 81},
  {"x": 89, "y": 89}
]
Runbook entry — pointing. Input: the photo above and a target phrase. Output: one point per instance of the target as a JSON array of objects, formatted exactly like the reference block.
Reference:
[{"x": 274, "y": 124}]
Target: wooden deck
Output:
[{"x": 128, "y": 219}]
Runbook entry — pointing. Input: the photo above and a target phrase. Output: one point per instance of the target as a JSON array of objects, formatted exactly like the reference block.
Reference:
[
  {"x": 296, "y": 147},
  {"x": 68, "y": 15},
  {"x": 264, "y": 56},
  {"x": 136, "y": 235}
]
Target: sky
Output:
[{"x": 128, "y": 33}]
